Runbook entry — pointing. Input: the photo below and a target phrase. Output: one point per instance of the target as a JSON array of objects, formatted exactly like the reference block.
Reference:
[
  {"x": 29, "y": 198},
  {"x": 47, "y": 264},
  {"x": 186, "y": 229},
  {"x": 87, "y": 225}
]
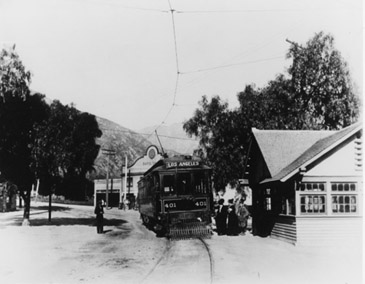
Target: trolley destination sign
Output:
[{"x": 182, "y": 164}]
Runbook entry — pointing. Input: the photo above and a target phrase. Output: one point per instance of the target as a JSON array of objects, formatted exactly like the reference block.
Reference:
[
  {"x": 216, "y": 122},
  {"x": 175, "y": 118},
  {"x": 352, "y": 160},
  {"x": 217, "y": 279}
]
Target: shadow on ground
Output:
[
  {"x": 65, "y": 221},
  {"x": 54, "y": 208}
]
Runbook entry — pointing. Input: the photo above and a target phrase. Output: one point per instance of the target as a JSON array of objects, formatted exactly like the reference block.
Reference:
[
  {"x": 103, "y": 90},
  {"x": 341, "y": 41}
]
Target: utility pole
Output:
[
  {"x": 294, "y": 43},
  {"x": 107, "y": 152},
  {"x": 125, "y": 178}
]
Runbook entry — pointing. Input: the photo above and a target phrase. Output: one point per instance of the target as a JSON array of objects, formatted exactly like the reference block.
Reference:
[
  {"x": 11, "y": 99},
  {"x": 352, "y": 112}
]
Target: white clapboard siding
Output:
[
  {"x": 328, "y": 230},
  {"x": 285, "y": 229}
]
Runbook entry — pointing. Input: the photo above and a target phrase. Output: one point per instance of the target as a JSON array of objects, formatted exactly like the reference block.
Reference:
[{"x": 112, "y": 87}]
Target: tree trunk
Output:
[
  {"x": 50, "y": 206},
  {"x": 26, "y": 215}
]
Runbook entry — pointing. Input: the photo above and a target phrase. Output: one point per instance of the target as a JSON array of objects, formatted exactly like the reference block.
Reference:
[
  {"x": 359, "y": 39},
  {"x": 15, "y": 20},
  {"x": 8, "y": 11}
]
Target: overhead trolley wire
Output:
[
  {"x": 233, "y": 64},
  {"x": 236, "y": 11},
  {"x": 177, "y": 67},
  {"x": 176, "y": 52},
  {"x": 146, "y": 134},
  {"x": 178, "y": 72}
]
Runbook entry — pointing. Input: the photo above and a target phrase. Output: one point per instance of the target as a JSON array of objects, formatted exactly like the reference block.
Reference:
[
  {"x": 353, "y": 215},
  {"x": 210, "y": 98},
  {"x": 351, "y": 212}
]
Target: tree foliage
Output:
[
  {"x": 65, "y": 147},
  {"x": 316, "y": 94},
  {"x": 37, "y": 140},
  {"x": 14, "y": 78},
  {"x": 20, "y": 111},
  {"x": 221, "y": 138},
  {"x": 322, "y": 85}
]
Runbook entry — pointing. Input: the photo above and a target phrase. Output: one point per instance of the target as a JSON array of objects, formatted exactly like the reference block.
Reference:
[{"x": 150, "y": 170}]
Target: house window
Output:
[
  {"x": 341, "y": 198},
  {"x": 312, "y": 204},
  {"x": 312, "y": 186},
  {"x": 267, "y": 199},
  {"x": 287, "y": 205},
  {"x": 344, "y": 197},
  {"x": 344, "y": 204},
  {"x": 343, "y": 186}
]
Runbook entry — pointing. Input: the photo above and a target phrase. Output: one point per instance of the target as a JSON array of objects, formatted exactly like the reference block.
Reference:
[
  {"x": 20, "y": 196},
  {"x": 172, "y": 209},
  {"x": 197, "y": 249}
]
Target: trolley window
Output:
[
  {"x": 184, "y": 183},
  {"x": 201, "y": 182},
  {"x": 168, "y": 184}
]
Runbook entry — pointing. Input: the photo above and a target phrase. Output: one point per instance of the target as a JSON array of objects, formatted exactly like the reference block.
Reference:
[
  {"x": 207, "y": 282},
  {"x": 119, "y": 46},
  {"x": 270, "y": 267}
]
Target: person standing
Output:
[
  {"x": 242, "y": 214},
  {"x": 221, "y": 218},
  {"x": 232, "y": 228},
  {"x": 99, "y": 211}
]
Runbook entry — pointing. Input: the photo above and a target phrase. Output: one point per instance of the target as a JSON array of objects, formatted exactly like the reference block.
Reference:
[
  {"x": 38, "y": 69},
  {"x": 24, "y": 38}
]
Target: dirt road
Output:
[{"x": 68, "y": 250}]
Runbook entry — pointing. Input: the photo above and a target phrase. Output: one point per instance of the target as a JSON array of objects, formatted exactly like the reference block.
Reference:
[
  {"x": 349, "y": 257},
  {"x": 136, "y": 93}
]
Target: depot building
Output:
[
  {"x": 127, "y": 185},
  {"x": 307, "y": 186}
]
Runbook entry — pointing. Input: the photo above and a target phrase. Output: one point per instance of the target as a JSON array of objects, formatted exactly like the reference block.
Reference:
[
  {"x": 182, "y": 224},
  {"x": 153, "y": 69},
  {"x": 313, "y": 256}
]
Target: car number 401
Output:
[
  {"x": 170, "y": 205},
  {"x": 201, "y": 203}
]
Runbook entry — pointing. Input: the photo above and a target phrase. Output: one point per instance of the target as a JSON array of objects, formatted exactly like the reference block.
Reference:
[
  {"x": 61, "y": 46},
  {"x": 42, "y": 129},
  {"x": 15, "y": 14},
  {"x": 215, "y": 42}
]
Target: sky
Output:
[{"x": 139, "y": 64}]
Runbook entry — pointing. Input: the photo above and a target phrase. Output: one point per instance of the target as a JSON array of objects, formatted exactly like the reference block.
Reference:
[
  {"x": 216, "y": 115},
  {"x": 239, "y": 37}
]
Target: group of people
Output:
[{"x": 231, "y": 219}]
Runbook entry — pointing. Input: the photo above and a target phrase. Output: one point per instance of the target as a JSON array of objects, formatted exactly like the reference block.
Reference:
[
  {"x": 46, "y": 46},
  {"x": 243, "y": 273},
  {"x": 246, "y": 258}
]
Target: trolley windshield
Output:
[{"x": 185, "y": 183}]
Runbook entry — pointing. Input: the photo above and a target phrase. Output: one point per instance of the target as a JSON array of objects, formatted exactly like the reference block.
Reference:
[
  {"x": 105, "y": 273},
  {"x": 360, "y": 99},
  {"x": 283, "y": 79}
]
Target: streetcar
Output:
[{"x": 175, "y": 197}]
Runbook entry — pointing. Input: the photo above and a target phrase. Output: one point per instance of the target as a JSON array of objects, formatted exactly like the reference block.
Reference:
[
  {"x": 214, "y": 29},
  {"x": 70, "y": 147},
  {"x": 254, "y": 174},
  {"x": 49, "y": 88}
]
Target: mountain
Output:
[
  {"x": 123, "y": 143},
  {"x": 172, "y": 137},
  {"x": 128, "y": 143}
]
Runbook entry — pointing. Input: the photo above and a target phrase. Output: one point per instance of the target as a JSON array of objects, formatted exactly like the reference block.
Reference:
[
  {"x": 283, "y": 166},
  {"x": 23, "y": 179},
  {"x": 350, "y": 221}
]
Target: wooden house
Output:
[{"x": 307, "y": 185}]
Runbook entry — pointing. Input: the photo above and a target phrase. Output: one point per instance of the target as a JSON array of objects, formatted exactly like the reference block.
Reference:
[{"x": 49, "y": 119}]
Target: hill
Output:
[
  {"x": 123, "y": 141},
  {"x": 128, "y": 143}
]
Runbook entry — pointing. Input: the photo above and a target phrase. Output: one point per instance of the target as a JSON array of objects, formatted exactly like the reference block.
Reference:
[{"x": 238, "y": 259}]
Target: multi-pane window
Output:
[
  {"x": 340, "y": 198},
  {"x": 344, "y": 204},
  {"x": 343, "y": 186},
  {"x": 312, "y": 186},
  {"x": 344, "y": 197},
  {"x": 312, "y": 203}
]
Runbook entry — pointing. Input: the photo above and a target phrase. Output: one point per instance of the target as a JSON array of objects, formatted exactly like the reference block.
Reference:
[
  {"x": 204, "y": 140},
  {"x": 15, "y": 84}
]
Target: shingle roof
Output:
[
  {"x": 286, "y": 156},
  {"x": 281, "y": 147}
]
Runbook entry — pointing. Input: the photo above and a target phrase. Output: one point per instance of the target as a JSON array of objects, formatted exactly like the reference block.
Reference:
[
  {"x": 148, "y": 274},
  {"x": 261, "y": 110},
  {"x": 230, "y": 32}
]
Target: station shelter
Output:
[{"x": 307, "y": 185}]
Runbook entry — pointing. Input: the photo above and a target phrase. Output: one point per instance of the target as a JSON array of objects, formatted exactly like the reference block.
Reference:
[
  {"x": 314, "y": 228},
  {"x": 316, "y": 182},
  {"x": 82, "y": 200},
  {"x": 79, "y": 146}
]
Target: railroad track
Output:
[{"x": 183, "y": 261}]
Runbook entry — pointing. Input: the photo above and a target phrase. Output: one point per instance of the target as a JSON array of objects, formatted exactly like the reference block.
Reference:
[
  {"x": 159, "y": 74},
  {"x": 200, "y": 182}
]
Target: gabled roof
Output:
[
  {"x": 281, "y": 147},
  {"x": 287, "y": 156}
]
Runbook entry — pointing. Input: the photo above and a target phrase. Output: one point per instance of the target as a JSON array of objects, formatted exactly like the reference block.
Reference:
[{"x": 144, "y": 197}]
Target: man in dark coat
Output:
[
  {"x": 99, "y": 211},
  {"x": 221, "y": 218},
  {"x": 232, "y": 229}
]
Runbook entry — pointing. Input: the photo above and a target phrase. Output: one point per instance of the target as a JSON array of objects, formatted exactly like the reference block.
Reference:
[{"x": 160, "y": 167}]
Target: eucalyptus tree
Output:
[
  {"x": 222, "y": 139},
  {"x": 318, "y": 92},
  {"x": 20, "y": 111},
  {"x": 64, "y": 150},
  {"x": 320, "y": 79}
]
